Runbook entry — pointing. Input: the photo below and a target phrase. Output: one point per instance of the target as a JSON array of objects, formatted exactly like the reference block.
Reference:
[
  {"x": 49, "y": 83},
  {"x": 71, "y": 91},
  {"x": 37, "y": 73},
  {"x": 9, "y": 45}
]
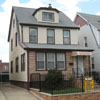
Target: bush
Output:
[{"x": 54, "y": 80}]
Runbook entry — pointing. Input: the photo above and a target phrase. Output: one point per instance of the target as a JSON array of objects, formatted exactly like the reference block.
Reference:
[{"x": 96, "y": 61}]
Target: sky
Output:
[{"x": 69, "y": 7}]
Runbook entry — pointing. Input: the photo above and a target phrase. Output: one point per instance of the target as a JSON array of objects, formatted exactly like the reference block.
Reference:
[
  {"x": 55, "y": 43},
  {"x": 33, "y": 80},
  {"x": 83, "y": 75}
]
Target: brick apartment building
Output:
[{"x": 4, "y": 71}]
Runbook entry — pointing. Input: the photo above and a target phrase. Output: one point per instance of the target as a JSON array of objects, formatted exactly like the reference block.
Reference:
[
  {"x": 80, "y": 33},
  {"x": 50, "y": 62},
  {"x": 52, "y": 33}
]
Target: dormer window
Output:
[{"x": 47, "y": 16}]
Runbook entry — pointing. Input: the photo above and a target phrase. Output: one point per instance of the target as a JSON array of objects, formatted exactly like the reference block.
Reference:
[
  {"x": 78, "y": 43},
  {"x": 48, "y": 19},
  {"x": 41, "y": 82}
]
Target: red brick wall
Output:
[
  {"x": 81, "y": 96},
  {"x": 2, "y": 66},
  {"x": 80, "y": 21},
  {"x": 32, "y": 63},
  {"x": 86, "y": 64}
]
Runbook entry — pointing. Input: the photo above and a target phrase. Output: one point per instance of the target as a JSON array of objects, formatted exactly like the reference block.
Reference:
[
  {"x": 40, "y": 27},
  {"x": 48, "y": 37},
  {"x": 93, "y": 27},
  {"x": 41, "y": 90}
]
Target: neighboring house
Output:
[
  {"x": 4, "y": 71},
  {"x": 89, "y": 36},
  {"x": 42, "y": 39}
]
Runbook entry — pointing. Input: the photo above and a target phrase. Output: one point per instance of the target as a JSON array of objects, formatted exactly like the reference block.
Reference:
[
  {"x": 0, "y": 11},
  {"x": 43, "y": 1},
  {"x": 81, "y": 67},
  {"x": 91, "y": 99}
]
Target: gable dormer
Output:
[{"x": 47, "y": 14}]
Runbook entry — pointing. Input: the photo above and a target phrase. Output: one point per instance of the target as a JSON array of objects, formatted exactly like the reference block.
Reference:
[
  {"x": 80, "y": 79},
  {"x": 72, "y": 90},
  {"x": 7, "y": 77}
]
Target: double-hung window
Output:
[
  {"x": 23, "y": 62},
  {"x": 61, "y": 61},
  {"x": 50, "y": 36},
  {"x": 40, "y": 61},
  {"x": 17, "y": 64},
  {"x": 11, "y": 66},
  {"x": 50, "y": 60},
  {"x": 66, "y": 37},
  {"x": 33, "y": 35},
  {"x": 47, "y": 16}
]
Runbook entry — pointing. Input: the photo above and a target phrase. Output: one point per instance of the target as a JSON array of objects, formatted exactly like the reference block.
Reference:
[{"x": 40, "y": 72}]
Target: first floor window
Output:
[
  {"x": 50, "y": 60},
  {"x": 17, "y": 64},
  {"x": 61, "y": 60},
  {"x": 40, "y": 61},
  {"x": 23, "y": 62},
  {"x": 11, "y": 66}
]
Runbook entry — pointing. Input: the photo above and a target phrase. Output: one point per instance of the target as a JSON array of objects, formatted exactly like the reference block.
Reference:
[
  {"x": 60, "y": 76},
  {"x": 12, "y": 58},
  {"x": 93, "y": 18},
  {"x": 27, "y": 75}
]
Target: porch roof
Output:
[{"x": 56, "y": 47}]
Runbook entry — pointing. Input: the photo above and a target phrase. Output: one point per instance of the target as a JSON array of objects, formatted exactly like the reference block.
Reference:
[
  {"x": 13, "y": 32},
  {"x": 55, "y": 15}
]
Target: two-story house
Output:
[
  {"x": 42, "y": 39},
  {"x": 89, "y": 35}
]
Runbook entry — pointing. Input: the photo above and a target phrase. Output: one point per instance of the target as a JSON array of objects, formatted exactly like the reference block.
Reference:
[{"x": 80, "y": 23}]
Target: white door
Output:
[{"x": 78, "y": 65}]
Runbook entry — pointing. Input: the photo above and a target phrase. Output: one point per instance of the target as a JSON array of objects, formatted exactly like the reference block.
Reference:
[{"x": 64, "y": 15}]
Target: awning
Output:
[{"x": 81, "y": 53}]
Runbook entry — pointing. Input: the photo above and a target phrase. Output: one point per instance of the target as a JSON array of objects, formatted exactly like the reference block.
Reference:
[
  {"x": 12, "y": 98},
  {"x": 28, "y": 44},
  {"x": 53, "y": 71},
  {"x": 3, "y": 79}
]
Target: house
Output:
[
  {"x": 89, "y": 36},
  {"x": 4, "y": 71},
  {"x": 42, "y": 39}
]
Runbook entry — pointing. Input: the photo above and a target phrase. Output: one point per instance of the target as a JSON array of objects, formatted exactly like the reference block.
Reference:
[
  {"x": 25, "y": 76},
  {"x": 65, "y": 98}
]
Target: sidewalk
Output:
[{"x": 12, "y": 92}]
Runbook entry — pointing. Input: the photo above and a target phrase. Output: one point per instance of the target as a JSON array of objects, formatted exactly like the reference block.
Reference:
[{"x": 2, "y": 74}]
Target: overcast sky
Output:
[{"x": 69, "y": 7}]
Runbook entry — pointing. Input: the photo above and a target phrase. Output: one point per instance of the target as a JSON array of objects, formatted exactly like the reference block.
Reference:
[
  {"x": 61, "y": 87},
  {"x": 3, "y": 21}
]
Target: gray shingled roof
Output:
[
  {"x": 55, "y": 47},
  {"x": 24, "y": 16},
  {"x": 93, "y": 19}
]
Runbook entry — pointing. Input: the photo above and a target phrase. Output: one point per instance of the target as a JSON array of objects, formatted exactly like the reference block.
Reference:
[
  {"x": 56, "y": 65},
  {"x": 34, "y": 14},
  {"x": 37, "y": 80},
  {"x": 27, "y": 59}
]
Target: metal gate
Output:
[{"x": 4, "y": 77}]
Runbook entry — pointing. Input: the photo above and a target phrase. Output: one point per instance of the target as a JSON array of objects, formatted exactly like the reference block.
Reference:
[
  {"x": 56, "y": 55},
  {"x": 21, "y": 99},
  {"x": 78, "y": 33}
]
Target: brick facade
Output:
[
  {"x": 3, "y": 65},
  {"x": 80, "y": 21},
  {"x": 69, "y": 64},
  {"x": 78, "y": 96}
]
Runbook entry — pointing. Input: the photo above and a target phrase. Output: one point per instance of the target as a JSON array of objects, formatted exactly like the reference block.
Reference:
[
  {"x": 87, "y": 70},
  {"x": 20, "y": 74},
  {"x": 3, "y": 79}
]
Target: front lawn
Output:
[{"x": 76, "y": 90}]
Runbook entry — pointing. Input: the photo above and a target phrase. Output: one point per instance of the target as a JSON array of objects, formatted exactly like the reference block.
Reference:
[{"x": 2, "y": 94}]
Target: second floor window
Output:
[
  {"x": 66, "y": 37},
  {"x": 16, "y": 39},
  {"x": 85, "y": 40},
  {"x": 5, "y": 67},
  {"x": 17, "y": 64},
  {"x": 47, "y": 16},
  {"x": 33, "y": 35},
  {"x": 11, "y": 44},
  {"x": 50, "y": 36}
]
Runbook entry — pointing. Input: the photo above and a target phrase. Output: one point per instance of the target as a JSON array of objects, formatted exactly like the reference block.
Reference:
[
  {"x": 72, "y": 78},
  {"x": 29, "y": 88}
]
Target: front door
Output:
[{"x": 78, "y": 65}]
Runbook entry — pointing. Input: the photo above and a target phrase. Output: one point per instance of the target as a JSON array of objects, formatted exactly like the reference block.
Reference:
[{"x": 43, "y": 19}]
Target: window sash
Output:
[
  {"x": 11, "y": 66},
  {"x": 17, "y": 64},
  {"x": 50, "y": 36},
  {"x": 40, "y": 61},
  {"x": 60, "y": 60},
  {"x": 48, "y": 16},
  {"x": 33, "y": 35},
  {"x": 51, "y": 61},
  {"x": 23, "y": 62}
]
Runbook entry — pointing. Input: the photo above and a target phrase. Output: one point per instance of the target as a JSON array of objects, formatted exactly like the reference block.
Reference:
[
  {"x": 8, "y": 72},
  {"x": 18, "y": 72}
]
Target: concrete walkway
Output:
[{"x": 11, "y": 92}]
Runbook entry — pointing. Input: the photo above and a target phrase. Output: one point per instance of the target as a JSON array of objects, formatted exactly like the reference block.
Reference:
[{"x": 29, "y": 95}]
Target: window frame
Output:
[
  {"x": 64, "y": 61},
  {"x": 16, "y": 39},
  {"x": 36, "y": 35},
  {"x": 38, "y": 61},
  {"x": 50, "y": 37},
  {"x": 48, "y": 19},
  {"x": 66, "y": 37},
  {"x": 17, "y": 64},
  {"x": 51, "y": 61},
  {"x": 11, "y": 66},
  {"x": 45, "y": 62},
  {"x": 23, "y": 62},
  {"x": 11, "y": 44}
]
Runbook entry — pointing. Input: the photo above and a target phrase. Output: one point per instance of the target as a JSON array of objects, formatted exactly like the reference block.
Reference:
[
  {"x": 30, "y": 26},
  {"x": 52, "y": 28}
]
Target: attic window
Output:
[{"x": 47, "y": 16}]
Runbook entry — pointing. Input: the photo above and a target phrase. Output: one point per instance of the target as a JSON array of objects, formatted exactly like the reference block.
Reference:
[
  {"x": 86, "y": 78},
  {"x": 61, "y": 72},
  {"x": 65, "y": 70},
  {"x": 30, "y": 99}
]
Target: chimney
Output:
[{"x": 49, "y": 6}]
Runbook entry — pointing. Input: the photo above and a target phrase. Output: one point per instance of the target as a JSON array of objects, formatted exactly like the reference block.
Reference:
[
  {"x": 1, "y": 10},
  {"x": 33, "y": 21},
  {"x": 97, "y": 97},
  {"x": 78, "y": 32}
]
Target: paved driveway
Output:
[{"x": 11, "y": 92}]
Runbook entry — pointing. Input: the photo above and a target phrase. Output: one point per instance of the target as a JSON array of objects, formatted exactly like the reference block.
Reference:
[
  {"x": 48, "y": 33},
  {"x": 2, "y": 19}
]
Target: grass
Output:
[{"x": 76, "y": 90}]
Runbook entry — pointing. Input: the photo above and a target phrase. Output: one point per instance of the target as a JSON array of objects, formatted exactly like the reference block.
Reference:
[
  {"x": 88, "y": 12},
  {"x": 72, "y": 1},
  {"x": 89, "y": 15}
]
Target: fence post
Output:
[
  {"x": 40, "y": 81},
  {"x": 82, "y": 83}
]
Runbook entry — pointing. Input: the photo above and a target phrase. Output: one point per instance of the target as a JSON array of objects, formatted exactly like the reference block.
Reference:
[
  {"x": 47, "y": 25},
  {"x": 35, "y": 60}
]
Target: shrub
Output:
[{"x": 54, "y": 80}]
